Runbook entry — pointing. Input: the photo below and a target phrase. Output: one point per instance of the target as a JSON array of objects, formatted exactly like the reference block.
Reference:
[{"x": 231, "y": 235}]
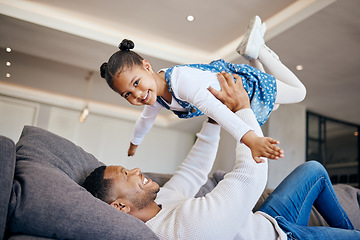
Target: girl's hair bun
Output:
[
  {"x": 103, "y": 70},
  {"x": 126, "y": 45}
]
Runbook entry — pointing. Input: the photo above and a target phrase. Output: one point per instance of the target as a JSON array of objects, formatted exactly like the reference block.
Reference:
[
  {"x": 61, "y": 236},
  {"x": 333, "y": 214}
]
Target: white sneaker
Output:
[{"x": 253, "y": 39}]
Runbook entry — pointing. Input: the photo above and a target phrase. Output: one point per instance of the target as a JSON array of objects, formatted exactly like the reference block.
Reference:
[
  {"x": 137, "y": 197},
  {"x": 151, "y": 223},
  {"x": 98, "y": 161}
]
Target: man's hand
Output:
[{"x": 232, "y": 94}]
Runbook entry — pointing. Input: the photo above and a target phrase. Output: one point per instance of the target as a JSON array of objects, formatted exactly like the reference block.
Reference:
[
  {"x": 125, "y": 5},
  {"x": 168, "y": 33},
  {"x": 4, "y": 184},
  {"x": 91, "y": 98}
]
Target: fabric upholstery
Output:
[
  {"x": 47, "y": 200},
  {"x": 7, "y": 168},
  {"x": 349, "y": 198}
]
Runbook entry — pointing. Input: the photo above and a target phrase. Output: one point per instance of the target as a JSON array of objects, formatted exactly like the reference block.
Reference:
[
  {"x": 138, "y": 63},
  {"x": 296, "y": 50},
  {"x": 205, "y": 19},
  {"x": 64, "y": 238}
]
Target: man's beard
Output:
[{"x": 148, "y": 197}]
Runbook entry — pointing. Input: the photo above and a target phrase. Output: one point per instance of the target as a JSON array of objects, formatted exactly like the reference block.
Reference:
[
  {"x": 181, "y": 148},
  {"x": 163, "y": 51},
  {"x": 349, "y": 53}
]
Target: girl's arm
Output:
[
  {"x": 143, "y": 125},
  {"x": 191, "y": 85}
]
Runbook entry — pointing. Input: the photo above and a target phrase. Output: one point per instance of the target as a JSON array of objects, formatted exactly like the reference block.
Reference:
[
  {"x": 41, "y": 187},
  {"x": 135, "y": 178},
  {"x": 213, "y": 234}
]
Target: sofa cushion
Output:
[
  {"x": 7, "y": 168},
  {"x": 48, "y": 201},
  {"x": 349, "y": 198}
]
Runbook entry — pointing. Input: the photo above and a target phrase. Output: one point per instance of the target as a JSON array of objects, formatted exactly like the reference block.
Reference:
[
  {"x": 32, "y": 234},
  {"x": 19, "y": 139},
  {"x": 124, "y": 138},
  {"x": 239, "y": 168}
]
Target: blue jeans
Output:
[{"x": 291, "y": 202}]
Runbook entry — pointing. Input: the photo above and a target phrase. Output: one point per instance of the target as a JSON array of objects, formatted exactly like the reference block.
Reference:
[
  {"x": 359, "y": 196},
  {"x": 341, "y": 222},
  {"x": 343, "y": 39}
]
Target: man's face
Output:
[{"x": 132, "y": 186}]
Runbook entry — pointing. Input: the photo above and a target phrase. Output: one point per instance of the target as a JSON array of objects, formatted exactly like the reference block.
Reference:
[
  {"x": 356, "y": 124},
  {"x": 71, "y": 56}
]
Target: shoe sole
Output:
[{"x": 242, "y": 49}]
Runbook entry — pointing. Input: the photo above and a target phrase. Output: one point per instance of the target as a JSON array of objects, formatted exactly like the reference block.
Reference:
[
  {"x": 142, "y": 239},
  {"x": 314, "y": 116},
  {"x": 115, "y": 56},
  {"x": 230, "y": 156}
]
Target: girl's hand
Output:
[
  {"x": 132, "y": 150},
  {"x": 262, "y": 147}
]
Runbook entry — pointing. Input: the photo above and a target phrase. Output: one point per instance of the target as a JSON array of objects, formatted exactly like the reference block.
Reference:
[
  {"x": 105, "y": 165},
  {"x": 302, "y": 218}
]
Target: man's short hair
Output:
[{"x": 98, "y": 186}]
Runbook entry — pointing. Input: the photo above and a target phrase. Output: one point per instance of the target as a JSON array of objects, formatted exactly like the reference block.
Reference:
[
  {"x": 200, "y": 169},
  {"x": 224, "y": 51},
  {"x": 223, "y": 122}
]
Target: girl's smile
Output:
[{"x": 146, "y": 98}]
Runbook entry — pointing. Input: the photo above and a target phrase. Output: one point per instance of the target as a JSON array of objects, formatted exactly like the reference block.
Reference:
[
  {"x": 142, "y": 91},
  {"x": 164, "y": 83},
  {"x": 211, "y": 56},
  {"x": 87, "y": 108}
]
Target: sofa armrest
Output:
[{"x": 7, "y": 169}]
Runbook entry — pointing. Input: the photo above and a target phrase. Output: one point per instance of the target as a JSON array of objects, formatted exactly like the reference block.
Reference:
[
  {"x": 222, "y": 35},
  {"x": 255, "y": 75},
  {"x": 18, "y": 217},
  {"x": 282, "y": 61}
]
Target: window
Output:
[{"x": 336, "y": 145}]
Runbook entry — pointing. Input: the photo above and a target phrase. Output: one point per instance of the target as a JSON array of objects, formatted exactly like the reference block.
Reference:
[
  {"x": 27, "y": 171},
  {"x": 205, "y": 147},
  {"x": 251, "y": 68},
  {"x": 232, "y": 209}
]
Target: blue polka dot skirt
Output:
[{"x": 260, "y": 86}]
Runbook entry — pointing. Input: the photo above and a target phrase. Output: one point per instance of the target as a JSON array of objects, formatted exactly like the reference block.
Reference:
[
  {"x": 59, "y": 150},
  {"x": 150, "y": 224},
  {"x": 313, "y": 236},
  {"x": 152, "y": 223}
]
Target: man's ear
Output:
[
  {"x": 147, "y": 65},
  {"x": 121, "y": 206}
]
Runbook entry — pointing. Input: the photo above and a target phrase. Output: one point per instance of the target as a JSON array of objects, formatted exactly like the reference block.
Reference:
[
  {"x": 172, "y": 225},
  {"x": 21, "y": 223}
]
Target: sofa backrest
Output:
[{"x": 47, "y": 198}]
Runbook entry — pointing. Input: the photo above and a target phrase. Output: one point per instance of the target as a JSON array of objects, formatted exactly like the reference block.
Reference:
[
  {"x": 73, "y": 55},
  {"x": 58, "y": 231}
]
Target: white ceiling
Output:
[{"x": 55, "y": 43}]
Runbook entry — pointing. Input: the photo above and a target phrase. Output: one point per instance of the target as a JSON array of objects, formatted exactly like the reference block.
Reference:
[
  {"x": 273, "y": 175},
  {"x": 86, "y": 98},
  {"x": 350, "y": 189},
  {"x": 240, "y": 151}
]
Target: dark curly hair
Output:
[
  {"x": 119, "y": 61},
  {"x": 98, "y": 186}
]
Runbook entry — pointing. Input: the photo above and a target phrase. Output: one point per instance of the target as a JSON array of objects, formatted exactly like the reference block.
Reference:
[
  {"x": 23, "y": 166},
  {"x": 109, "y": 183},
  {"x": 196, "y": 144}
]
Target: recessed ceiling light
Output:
[
  {"x": 8, "y": 49},
  {"x": 299, "y": 67},
  {"x": 8, "y": 75},
  {"x": 8, "y": 64},
  {"x": 190, "y": 18}
]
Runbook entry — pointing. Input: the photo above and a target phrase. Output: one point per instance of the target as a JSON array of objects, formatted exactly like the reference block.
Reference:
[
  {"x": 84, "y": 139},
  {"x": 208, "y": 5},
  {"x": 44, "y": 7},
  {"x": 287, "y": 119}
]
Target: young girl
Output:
[{"x": 184, "y": 89}]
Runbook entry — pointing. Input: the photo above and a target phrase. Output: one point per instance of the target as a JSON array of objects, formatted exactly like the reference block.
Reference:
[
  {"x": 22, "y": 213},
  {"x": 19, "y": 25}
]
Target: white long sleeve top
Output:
[
  {"x": 190, "y": 85},
  {"x": 225, "y": 212}
]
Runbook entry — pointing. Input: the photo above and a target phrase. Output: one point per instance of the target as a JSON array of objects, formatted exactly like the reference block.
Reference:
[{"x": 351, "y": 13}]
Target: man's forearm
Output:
[
  {"x": 193, "y": 172},
  {"x": 243, "y": 153}
]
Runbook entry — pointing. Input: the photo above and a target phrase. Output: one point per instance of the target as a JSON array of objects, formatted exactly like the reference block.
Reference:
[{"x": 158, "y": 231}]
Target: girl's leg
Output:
[
  {"x": 289, "y": 88},
  {"x": 307, "y": 185},
  {"x": 253, "y": 48},
  {"x": 256, "y": 64}
]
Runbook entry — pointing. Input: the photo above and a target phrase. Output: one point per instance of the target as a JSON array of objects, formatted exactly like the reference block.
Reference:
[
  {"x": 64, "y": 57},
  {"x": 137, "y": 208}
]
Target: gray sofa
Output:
[{"x": 42, "y": 198}]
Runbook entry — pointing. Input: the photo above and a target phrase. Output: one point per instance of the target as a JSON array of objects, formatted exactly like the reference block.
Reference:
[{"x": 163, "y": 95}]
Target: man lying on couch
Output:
[{"x": 173, "y": 212}]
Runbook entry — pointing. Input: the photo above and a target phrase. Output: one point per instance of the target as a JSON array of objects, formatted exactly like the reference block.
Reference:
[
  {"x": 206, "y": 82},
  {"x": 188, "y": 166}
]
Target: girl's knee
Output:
[
  {"x": 299, "y": 94},
  {"x": 302, "y": 93}
]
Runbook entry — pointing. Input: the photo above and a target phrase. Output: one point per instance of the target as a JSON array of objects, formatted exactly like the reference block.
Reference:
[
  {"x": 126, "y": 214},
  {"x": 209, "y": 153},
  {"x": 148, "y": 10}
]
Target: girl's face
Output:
[{"x": 137, "y": 85}]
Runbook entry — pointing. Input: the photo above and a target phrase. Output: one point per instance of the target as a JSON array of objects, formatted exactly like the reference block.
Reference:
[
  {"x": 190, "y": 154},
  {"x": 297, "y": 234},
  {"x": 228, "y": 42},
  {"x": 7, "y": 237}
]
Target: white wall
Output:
[
  {"x": 288, "y": 125},
  {"x": 105, "y": 134},
  {"x": 14, "y": 114},
  {"x": 107, "y": 138}
]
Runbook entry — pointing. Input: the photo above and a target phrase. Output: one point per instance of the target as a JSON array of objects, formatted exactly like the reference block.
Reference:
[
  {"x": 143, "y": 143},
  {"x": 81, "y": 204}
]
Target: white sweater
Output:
[
  {"x": 190, "y": 85},
  {"x": 225, "y": 212}
]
